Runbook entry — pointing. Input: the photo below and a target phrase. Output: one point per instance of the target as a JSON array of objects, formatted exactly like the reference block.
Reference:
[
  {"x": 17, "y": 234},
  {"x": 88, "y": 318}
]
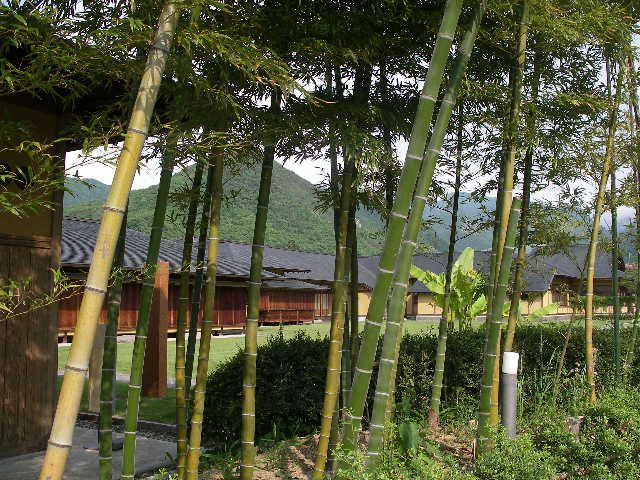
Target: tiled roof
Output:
[
  {"x": 299, "y": 267},
  {"x": 539, "y": 272}
]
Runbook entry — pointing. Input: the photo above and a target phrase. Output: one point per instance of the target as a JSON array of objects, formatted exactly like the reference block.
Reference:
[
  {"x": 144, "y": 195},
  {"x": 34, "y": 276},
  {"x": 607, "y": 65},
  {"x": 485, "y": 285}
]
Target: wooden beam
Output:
[{"x": 154, "y": 376}]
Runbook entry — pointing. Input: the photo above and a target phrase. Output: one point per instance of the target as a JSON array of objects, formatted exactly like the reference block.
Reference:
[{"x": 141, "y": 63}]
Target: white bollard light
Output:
[{"x": 510, "y": 392}]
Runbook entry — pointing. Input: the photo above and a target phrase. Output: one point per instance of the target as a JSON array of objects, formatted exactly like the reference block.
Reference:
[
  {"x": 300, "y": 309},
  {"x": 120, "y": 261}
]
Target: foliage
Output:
[
  {"x": 395, "y": 464},
  {"x": 466, "y": 299},
  {"x": 609, "y": 442},
  {"x": 288, "y": 391},
  {"x": 290, "y": 372},
  {"x": 514, "y": 459}
]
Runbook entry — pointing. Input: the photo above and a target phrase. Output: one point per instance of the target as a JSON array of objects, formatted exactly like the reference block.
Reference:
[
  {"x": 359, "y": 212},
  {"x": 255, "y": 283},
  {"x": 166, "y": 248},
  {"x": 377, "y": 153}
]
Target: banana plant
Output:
[{"x": 466, "y": 299}]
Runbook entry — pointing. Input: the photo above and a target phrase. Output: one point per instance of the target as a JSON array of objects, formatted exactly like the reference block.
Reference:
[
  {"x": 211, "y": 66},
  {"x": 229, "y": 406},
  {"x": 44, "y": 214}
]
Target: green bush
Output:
[
  {"x": 291, "y": 376},
  {"x": 289, "y": 391},
  {"x": 395, "y": 464},
  {"x": 608, "y": 446},
  {"x": 515, "y": 460}
]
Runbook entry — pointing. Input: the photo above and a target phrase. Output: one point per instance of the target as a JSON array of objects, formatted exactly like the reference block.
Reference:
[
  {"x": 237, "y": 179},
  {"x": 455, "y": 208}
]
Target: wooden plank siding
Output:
[{"x": 288, "y": 306}]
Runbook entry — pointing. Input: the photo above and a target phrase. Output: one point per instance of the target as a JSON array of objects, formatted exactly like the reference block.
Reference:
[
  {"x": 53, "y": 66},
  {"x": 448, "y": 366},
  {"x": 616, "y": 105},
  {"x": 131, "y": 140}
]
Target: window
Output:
[{"x": 561, "y": 298}]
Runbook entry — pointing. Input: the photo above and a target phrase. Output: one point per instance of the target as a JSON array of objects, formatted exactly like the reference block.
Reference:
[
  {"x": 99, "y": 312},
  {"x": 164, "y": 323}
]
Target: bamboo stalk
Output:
[
  {"x": 508, "y": 174},
  {"x": 494, "y": 325},
  {"x": 443, "y": 326},
  {"x": 182, "y": 388},
  {"x": 518, "y": 281},
  {"x": 61, "y": 437},
  {"x": 397, "y": 302},
  {"x": 634, "y": 121},
  {"x": 144, "y": 309},
  {"x": 593, "y": 243},
  {"x": 248, "y": 451},
  {"x": 397, "y": 220},
  {"x": 617, "y": 367},
  {"x": 332, "y": 383},
  {"x": 196, "y": 292},
  {"x": 109, "y": 354},
  {"x": 193, "y": 455},
  {"x": 354, "y": 286}
]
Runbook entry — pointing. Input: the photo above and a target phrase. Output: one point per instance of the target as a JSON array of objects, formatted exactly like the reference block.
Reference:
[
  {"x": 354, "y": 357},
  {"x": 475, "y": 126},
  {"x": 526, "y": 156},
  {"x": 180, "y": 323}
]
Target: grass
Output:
[
  {"x": 155, "y": 409},
  {"x": 224, "y": 347}
]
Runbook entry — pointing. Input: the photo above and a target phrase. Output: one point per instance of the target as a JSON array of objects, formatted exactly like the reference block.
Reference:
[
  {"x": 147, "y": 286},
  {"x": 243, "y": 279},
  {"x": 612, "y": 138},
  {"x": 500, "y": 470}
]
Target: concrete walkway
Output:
[{"x": 151, "y": 455}]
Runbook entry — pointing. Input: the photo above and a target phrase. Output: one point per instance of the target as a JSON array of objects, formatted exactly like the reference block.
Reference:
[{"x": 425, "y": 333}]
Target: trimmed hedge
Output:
[{"x": 291, "y": 375}]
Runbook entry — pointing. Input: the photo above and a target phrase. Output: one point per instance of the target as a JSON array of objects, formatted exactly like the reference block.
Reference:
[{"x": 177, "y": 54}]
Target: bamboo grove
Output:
[{"x": 527, "y": 107}]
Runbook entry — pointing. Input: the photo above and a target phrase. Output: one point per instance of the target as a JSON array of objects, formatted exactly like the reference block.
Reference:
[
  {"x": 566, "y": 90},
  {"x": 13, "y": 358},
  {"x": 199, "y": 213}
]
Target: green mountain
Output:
[
  {"x": 294, "y": 221},
  {"x": 81, "y": 191}
]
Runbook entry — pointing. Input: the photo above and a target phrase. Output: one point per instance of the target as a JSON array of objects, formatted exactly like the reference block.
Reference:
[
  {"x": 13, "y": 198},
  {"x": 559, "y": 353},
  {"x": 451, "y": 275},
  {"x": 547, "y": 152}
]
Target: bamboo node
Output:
[
  {"x": 446, "y": 36},
  {"x": 95, "y": 289},
  {"x": 73, "y": 368},
  {"x": 399, "y": 215},
  {"x": 59, "y": 445},
  {"x": 411, "y": 156},
  {"x": 422, "y": 197},
  {"x": 114, "y": 209},
  {"x": 384, "y": 270},
  {"x": 361, "y": 370},
  {"x": 158, "y": 46},
  {"x": 429, "y": 98}
]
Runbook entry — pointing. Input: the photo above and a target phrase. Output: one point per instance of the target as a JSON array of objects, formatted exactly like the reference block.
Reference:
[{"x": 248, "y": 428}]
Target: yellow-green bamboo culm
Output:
[
  {"x": 61, "y": 437},
  {"x": 247, "y": 439},
  {"x": 518, "y": 280},
  {"x": 397, "y": 302},
  {"x": 634, "y": 122},
  {"x": 144, "y": 309},
  {"x": 107, "y": 381},
  {"x": 182, "y": 389},
  {"x": 396, "y": 223},
  {"x": 196, "y": 292},
  {"x": 494, "y": 325},
  {"x": 332, "y": 383},
  {"x": 197, "y": 412},
  {"x": 508, "y": 172},
  {"x": 615, "y": 292},
  {"x": 445, "y": 320},
  {"x": 593, "y": 242}
]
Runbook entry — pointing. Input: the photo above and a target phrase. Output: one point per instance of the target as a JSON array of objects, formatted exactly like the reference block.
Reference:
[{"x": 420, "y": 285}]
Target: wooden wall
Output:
[
  {"x": 230, "y": 312},
  {"x": 29, "y": 248},
  {"x": 287, "y": 306}
]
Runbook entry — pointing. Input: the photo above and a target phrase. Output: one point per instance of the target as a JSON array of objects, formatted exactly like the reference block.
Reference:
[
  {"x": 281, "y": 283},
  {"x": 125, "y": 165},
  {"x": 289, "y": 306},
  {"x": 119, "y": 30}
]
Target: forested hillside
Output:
[{"x": 294, "y": 220}]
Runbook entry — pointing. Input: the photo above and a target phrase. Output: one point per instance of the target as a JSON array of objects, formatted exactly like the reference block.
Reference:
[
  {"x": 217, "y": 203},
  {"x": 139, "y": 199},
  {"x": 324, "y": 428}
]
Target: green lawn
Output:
[
  {"x": 224, "y": 347},
  {"x": 155, "y": 409}
]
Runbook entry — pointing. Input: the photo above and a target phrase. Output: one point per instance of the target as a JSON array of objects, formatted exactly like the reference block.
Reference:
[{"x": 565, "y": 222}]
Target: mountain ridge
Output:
[{"x": 293, "y": 222}]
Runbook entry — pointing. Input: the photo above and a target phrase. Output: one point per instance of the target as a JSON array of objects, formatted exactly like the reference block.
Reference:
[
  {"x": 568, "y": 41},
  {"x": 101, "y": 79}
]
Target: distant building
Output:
[
  {"x": 297, "y": 284},
  {"x": 547, "y": 279}
]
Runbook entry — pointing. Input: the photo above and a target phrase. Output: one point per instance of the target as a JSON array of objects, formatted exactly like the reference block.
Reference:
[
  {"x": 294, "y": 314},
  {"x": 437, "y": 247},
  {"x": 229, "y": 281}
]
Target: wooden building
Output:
[
  {"x": 283, "y": 300},
  {"x": 29, "y": 249},
  {"x": 548, "y": 279}
]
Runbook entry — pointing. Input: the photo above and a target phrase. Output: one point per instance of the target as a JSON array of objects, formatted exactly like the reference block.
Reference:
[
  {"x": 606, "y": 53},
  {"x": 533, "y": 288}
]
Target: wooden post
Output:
[
  {"x": 95, "y": 364},
  {"x": 154, "y": 376}
]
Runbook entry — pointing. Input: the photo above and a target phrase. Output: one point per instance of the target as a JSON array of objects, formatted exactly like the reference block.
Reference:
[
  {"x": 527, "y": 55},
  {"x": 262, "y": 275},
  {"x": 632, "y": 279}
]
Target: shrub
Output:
[
  {"x": 289, "y": 391},
  {"x": 397, "y": 465},
  {"x": 515, "y": 460},
  {"x": 609, "y": 443},
  {"x": 291, "y": 376}
]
